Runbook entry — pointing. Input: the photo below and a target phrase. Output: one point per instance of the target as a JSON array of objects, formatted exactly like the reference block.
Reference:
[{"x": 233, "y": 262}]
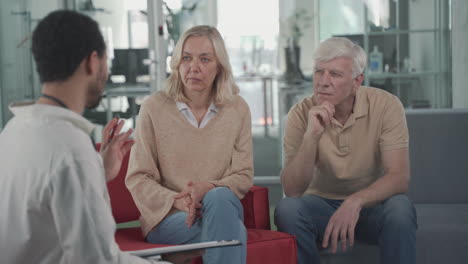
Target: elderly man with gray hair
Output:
[{"x": 346, "y": 163}]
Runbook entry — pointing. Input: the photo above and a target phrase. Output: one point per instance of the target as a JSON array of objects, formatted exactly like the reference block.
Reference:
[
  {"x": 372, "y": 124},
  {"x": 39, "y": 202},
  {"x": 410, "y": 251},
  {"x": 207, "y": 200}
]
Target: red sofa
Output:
[{"x": 263, "y": 245}]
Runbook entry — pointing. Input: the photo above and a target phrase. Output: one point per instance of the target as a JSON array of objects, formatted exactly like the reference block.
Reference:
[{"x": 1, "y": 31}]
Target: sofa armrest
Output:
[{"x": 256, "y": 208}]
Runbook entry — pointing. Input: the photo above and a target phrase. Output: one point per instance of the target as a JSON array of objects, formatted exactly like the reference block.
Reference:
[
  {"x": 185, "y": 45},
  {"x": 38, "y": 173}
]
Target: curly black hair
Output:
[{"x": 61, "y": 41}]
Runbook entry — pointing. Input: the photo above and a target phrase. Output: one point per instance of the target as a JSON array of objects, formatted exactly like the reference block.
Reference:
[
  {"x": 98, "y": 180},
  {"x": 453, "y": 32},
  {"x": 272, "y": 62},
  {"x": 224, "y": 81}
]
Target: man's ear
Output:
[
  {"x": 92, "y": 63},
  {"x": 358, "y": 80}
]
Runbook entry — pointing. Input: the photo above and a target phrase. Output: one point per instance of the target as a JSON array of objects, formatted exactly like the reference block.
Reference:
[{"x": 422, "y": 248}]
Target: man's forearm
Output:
[
  {"x": 299, "y": 172},
  {"x": 385, "y": 187},
  {"x": 394, "y": 181}
]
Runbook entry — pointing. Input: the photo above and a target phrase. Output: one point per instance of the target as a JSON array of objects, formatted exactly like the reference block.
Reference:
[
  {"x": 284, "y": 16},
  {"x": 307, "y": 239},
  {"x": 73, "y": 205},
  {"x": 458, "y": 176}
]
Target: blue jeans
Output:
[
  {"x": 222, "y": 219},
  {"x": 390, "y": 224}
]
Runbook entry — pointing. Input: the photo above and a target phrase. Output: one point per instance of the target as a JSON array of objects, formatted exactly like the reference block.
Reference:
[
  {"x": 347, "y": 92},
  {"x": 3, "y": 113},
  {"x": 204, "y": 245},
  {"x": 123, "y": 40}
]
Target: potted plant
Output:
[{"x": 294, "y": 28}]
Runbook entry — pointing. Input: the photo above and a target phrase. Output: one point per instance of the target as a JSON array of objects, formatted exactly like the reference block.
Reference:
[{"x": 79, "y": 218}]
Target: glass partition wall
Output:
[
  {"x": 17, "y": 78},
  {"x": 409, "y": 54},
  {"x": 270, "y": 44},
  {"x": 124, "y": 25}
]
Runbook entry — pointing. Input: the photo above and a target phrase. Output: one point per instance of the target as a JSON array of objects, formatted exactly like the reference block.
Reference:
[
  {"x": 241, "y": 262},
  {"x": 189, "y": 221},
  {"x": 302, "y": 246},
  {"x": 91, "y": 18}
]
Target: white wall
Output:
[
  {"x": 1, "y": 97},
  {"x": 1, "y": 72},
  {"x": 116, "y": 18},
  {"x": 460, "y": 53}
]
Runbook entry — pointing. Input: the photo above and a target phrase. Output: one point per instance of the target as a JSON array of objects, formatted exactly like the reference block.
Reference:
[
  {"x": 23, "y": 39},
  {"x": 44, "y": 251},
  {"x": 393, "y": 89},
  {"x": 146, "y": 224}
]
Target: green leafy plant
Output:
[
  {"x": 173, "y": 20},
  {"x": 296, "y": 25}
]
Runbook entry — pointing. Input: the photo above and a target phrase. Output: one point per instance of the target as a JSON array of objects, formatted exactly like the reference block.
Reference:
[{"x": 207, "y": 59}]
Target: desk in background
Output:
[
  {"x": 267, "y": 91},
  {"x": 130, "y": 91},
  {"x": 289, "y": 95}
]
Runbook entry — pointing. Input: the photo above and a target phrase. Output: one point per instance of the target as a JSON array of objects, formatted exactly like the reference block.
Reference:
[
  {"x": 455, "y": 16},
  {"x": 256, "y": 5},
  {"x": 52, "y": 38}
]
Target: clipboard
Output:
[{"x": 179, "y": 248}]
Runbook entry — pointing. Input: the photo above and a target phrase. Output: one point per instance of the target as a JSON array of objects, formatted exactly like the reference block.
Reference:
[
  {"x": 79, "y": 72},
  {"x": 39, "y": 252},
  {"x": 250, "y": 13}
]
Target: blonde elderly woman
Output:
[{"x": 192, "y": 159}]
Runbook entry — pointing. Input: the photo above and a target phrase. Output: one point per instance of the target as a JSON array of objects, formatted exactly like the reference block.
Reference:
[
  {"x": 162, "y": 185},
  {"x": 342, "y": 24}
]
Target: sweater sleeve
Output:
[
  {"x": 143, "y": 177},
  {"x": 239, "y": 176}
]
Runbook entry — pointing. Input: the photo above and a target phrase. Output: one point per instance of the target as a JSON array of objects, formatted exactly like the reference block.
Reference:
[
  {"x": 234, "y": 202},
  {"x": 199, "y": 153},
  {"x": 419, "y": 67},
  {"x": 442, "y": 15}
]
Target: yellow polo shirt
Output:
[{"x": 349, "y": 155}]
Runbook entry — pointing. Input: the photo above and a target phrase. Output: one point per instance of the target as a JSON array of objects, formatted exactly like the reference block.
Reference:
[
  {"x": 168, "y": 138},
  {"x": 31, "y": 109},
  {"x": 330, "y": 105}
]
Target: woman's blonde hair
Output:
[{"x": 224, "y": 86}]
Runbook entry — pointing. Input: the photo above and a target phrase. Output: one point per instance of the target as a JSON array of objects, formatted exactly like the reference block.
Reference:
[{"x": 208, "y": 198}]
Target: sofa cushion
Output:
[
  {"x": 123, "y": 207},
  {"x": 438, "y": 155},
  {"x": 442, "y": 235},
  {"x": 441, "y": 238},
  {"x": 132, "y": 239},
  {"x": 255, "y": 202},
  {"x": 256, "y": 208},
  {"x": 360, "y": 253},
  {"x": 263, "y": 246}
]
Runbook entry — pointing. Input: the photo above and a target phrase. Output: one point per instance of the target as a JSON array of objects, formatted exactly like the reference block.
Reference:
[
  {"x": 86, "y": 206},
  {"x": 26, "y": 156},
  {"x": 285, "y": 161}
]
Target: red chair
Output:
[{"x": 263, "y": 245}]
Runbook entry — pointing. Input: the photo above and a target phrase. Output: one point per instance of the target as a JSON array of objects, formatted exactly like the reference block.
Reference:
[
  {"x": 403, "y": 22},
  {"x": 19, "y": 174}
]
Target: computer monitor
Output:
[{"x": 129, "y": 62}]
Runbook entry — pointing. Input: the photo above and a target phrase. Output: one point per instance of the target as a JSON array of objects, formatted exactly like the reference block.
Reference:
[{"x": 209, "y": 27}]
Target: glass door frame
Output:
[{"x": 157, "y": 49}]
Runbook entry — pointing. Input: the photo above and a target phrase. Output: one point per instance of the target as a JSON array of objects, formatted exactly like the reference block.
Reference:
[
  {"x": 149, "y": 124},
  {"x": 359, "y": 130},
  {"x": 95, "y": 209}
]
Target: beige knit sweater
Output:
[{"x": 169, "y": 152}]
